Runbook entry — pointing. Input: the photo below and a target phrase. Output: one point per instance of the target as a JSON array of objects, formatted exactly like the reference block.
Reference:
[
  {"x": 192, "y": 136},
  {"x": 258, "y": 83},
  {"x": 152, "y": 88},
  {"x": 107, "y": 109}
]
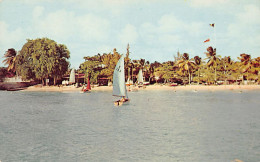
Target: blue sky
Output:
[{"x": 155, "y": 29}]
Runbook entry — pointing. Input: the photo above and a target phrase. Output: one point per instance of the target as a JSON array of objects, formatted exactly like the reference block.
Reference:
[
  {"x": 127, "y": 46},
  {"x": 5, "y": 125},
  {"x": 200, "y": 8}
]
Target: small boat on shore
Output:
[
  {"x": 129, "y": 82},
  {"x": 119, "y": 86},
  {"x": 140, "y": 79},
  {"x": 87, "y": 89},
  {"x": 173, "y": 84}
]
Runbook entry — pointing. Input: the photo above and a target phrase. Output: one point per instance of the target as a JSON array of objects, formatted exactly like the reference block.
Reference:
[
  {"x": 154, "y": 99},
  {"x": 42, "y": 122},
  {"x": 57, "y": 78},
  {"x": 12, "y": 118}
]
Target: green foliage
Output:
[
  {"x": 194, "y": 69},
  {"x": 10, "y": 59},
  {"x": 88, "y": 68},
  {"x": 3, "y": 73},
  {"x": 42, "y": 58},
  {"x": 167, "y": 71},
  {"x": 186, "y": 66},
  {"x": 100, "y": 65}
]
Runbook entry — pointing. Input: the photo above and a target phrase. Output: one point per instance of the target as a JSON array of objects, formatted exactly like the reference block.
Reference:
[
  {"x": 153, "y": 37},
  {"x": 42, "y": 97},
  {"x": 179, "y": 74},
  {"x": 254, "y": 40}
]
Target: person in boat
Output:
[
  {"x": 122, "y": 99},
  {"x": 120, "y": 102},
  {"x": 83, "y": 87}
]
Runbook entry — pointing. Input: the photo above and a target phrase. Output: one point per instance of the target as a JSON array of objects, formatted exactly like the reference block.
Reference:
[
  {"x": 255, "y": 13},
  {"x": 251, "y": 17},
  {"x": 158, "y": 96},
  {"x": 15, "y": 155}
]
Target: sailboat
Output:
[
  {"x": 119, "y": 86},
  {"x": 72, "y": 76},
  {"x": 140, "y": 79},
  {"x": 129, "y": 82},
  {"x": 88, "y": 88}
]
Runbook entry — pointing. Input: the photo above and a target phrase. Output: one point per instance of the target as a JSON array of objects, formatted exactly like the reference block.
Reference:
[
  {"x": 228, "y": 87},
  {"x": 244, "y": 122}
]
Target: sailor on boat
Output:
[{"x": 119, "y": 86}]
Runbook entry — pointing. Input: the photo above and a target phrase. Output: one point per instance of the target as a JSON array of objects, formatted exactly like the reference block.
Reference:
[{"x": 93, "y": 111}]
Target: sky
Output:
[{"x": 155, "y": 29}]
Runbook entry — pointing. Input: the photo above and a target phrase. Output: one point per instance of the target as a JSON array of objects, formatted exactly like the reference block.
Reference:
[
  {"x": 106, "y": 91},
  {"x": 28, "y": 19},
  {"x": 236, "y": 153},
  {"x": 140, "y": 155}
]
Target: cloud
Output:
[
  {"x": 93, "y": 27},
  {"x": 37, "y": 12},
  {"x": 33, "y": 1},
  {"x": 246, "y": 22},
  {"x": 243, "y": 33},
  {"x": 169, "y": 23},
  {"x": 116, "y": 7},
  {"x": 207, "y": 3},
  {"x": 169, "y": 31},
  {"x": 170, "y": 39},
  {"x": 250, "y": 15},
  {"x": 9, "y": 37},
  {"x": 128, "y": 34},
  {"x": 64, "y": 25}
]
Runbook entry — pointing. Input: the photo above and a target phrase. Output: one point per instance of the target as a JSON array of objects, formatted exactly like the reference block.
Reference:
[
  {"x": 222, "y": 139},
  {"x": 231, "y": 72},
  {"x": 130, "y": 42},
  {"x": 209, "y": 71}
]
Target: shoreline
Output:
[{"x": 38, "y": 88}]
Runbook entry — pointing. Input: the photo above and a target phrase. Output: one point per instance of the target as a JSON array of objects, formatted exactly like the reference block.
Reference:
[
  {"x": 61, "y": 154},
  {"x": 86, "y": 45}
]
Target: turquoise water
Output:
[{"x": 155, "y": 126}]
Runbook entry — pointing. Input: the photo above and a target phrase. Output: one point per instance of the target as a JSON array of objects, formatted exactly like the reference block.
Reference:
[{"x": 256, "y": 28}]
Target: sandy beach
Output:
[{"x": 149, "y": 87}]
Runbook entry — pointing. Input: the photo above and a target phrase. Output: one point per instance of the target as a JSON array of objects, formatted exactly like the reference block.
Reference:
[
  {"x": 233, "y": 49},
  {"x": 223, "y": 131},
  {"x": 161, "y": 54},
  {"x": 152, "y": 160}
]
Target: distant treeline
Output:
[
  {"x": 183, "y": 69},
  {"x": 40, "y": 59}
]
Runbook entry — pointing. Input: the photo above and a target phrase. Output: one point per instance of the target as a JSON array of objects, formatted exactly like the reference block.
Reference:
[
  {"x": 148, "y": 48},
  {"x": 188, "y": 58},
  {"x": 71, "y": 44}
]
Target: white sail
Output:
[
  {"x": 72, "y": 76},
  {"x": 128, "y": 81},
  {"x": 140, "y": 76},
  {"x": 119, "y": 87}
]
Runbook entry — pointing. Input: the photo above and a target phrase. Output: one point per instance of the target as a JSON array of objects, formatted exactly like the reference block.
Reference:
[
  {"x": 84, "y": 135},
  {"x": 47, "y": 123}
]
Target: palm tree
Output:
[
  {"x": 127, "y": 62},
  {"x": 226, "y": 61},
  {"x": 213, "y": 60},
  {"x": 152, "y": 70},
  {"x": 146, "y": 70},
  {"x": 245, "y": 64},
  {"x": 10, "y": 58},
  {"x": 197, "y": 60},
  {"x": 256, "y": 67},
  {"x": 186, "y": 65}
]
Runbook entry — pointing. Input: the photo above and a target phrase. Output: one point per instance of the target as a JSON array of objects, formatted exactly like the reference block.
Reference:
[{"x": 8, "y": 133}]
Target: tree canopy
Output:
[
  {"x": 41, "y": 59},
  {"x": 100, "y": 65},
  {"x": 10, "y": 59},
  {"x": 44, "y": 58}
]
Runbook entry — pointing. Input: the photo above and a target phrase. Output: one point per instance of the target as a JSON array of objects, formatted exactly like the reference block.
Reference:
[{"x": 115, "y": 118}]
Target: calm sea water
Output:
[{"x": 155, "y": 126}]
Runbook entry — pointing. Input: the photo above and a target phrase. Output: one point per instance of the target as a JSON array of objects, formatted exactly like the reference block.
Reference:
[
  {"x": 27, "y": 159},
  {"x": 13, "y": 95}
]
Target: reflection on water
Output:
[{"x": 156, "y": 125}]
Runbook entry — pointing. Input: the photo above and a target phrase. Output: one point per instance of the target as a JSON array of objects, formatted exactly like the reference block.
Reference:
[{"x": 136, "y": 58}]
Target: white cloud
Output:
[
  {"x": 115, "y": 7},
  {"x": 169, "y": 23},
  {"x": 128, "y": 34},
  {"x": 246, "y": 23},
  {"x": 169, "y": 31},
  {"x": 195, "y": 28},
  {"x": 243, "y": 33},
  {"x": 250, "y": 15},
  {"x": 33, "y": 1},
  {"x": 57, "y": 25},
  {"x": 37, "y": 12},
  {"x": 64, "y": 25},
  {"x": 9, "y": 37},
  {"x": 170, "y": 39},
  {"x": 93, "y": 27},
  {"x": 207, "y": 3}
]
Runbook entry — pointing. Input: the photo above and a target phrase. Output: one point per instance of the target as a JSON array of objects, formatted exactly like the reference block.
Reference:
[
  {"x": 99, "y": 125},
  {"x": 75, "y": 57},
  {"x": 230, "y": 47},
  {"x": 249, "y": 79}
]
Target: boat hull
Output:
[{"x": 120, "y": 102}]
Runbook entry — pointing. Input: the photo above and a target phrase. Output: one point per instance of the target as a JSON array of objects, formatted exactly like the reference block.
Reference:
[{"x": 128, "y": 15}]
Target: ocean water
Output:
[{"x": 157, "y": 125}]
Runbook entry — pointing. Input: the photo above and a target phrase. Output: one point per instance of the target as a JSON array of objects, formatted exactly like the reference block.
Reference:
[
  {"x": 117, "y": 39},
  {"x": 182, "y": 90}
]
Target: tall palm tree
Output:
[
  {"x": 152, "y": 70},
  {"x": 226, "y": 61},
  {"x": 186, "y": 65},
  {"x": 245, "y": 64},
  {"x": 127, "y": 62},
  {"x": 146, "y": 70},
  {"x": 256, "y": 67},
  {"x": 10, "y": 58},
  {"x": 197, "y": 60},
  {"x": 213, "y": 60}
]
